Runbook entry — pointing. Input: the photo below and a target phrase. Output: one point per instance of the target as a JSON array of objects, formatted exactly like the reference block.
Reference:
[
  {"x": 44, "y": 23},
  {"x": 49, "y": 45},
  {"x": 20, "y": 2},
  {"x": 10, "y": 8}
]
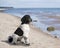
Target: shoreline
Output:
[
  {"x": 42, "y": 23},
  {"x": 38, "y": 39},
  {"x": 53, "y": 33},
  {"x": 2, "y": 10}
]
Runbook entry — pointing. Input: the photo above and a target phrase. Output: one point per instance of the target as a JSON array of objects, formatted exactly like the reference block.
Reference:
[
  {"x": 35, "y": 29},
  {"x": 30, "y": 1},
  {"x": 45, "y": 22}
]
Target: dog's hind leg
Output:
[{"x": 15, "y": 38}]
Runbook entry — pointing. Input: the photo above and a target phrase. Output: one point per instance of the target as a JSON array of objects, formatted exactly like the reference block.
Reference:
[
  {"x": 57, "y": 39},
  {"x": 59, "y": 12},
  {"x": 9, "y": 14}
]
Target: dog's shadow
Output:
[{"x": 19, "y": 44}]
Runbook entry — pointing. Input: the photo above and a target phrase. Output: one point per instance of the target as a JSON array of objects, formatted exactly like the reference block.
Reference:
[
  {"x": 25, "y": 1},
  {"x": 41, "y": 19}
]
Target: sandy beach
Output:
[{"x": 38, "y": 39}]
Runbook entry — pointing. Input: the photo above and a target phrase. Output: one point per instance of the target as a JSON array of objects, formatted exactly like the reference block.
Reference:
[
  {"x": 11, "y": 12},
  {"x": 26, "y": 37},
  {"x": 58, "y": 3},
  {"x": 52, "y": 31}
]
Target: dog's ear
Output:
[{"x": 22, "y": 19}]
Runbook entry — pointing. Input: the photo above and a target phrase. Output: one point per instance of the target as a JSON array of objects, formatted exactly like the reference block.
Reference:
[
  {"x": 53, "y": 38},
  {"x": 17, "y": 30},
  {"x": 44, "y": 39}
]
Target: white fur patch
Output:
[{"x": 26, "y": 29}]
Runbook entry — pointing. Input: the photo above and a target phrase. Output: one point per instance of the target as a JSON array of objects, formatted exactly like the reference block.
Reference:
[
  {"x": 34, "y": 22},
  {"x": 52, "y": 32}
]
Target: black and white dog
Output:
[{"x": 21, "y": 32}]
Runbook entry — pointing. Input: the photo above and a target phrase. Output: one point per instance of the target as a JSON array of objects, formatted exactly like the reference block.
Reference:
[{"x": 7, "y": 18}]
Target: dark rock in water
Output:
[
  {"x": 50, "y": 28},
  {"x": 34, "y": 20}
]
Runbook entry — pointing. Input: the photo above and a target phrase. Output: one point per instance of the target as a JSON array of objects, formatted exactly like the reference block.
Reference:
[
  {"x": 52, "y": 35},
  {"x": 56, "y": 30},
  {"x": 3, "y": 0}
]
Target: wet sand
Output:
[{"x": 38, "y": 39}]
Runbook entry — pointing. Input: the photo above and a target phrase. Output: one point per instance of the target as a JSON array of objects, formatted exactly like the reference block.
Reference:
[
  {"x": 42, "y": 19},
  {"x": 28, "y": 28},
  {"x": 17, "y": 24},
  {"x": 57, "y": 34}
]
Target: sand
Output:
[{"x": 38, "y": 39}]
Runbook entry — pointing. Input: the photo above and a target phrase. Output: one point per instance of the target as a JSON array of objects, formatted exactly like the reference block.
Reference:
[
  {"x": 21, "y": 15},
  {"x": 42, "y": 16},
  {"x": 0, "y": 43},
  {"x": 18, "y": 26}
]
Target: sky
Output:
[{"x": 31, "y": 3}]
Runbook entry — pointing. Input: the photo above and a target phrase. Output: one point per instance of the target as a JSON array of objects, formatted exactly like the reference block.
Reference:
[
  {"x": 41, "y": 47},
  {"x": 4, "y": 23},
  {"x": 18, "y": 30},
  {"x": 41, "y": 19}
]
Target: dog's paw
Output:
[{"x": 28, "y": 44}]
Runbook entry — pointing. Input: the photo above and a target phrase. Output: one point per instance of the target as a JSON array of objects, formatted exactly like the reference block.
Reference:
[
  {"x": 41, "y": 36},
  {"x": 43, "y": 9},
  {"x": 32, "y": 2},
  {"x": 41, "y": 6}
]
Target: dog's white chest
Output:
[{"x": 26, "y": 29}]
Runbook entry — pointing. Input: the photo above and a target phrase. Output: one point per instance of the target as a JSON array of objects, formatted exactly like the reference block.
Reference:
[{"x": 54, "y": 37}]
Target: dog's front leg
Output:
[{"x": 26, "y": 41}]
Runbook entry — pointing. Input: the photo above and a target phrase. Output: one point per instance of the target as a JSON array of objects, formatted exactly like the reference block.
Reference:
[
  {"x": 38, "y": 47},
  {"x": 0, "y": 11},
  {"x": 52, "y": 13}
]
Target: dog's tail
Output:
[{"x": 10, "y": 39}]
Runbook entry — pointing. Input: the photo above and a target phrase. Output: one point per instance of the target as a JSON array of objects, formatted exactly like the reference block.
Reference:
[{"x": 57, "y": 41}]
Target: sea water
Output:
[{"x": 41, "y": 17}]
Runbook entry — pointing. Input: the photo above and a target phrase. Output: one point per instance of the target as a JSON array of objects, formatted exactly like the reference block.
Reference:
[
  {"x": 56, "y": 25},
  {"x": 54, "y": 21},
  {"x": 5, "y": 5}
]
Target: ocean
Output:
[{"x": 43, "y": 17}]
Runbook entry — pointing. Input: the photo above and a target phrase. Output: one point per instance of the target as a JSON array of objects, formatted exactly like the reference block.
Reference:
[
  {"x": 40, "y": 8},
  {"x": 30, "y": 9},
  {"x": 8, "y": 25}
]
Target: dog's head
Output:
[{"x": 26, "y": 19}]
